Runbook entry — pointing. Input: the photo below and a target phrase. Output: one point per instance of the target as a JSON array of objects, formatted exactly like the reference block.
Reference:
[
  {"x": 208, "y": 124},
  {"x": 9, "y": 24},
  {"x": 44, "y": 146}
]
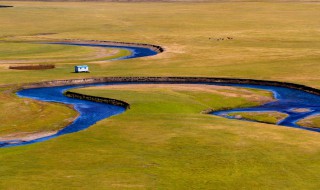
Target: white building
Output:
[{"x": 81, "y": 69}]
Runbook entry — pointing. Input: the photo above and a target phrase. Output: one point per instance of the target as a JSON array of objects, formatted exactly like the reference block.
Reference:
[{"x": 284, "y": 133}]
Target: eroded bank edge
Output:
[
  {"x": 111, "y": 101},
  {"x": 41, "y": 39},
  {"x": 153, "y": 47},
  {"x": 5, "y": 6},
  {"x": 158, "y": 80},
  {"x": 173, "y": 80}
]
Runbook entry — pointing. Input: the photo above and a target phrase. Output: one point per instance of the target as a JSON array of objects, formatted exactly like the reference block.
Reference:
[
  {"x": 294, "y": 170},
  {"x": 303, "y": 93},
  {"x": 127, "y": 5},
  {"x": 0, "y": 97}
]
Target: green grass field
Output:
[
  {"x": 270, "y": 40},
  {"x": 20, "y": 117},
  {"x": 265, "y": 117},
  {"x": 163, "y": 141}
]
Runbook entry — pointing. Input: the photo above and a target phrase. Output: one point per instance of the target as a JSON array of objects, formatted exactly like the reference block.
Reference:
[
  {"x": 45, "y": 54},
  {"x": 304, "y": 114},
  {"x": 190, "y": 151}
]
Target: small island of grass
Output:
[
  {"x": 311, "y": 122},
  {"x": 271, "y": 117},
  {"x": 300, "y": 110}
]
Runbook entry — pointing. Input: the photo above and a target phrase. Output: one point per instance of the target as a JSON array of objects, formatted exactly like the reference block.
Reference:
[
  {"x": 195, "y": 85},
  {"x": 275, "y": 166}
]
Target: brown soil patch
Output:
[
  {"x": 32, "y": 67},
  {"x": 27, "y": 136},
  {"x": 169, "y": 52},
  {"x": 5, "y": 6}
]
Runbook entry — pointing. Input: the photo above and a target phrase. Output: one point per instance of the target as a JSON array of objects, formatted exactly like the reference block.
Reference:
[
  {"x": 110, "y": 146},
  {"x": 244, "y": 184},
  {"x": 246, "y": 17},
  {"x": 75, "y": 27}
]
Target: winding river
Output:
[{"x": 287, "y": 100}]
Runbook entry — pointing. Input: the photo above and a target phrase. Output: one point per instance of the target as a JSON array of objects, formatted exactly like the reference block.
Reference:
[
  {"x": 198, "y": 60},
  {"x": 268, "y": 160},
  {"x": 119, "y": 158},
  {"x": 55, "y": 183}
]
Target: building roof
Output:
[{"x": 82, "y": 66}]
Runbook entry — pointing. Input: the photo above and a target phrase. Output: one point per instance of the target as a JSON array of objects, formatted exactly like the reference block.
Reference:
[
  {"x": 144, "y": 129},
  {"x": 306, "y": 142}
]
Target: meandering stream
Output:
[{"x": 91, "y": 112}]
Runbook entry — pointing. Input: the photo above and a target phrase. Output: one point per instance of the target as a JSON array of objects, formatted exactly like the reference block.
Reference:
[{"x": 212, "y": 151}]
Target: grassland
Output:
[
  {"x": 270, "y": 40},
  {"x": 199, "y": 97},
  {"x": 19, "y": 53},
  {"x": 312, "y": 121},
  {"x": 164, "y": 143},
  {"x": 25, "y": 118},
  {"x": 265, "y": 117}
]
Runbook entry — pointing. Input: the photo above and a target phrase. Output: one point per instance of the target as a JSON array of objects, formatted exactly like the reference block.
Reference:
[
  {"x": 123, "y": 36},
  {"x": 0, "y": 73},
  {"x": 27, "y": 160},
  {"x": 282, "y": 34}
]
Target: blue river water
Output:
[
  {"x": 91, "y": 112},
  {"x": 287, "y": 101}
]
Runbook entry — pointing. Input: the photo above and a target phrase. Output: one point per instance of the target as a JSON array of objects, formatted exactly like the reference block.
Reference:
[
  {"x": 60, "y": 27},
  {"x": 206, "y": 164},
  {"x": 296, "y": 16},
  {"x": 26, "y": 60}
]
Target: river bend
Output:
[{"x": 90, "y": 112}]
